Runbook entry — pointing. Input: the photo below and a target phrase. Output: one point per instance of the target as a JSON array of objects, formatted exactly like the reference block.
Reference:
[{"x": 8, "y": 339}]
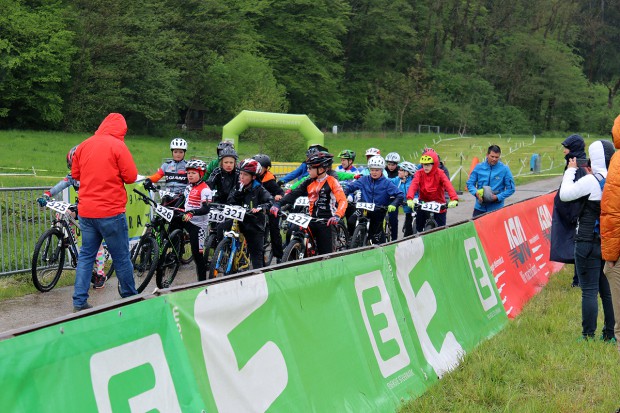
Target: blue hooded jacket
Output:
[
  {"x": 378, "y": 191},
  {"x": 498, "y": 177},
  {"x": 404, "y": 187}
]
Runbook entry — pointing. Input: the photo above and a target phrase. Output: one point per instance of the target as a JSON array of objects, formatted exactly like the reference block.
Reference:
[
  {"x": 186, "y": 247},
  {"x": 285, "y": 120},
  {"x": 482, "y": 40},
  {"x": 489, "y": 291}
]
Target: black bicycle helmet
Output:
[
  {"x": 263, "y": 159},
  {"x": 322, "y": 159},
  {"x": 224, "y": 144},
  {"x": 228, "y": 152},
  {"x": 70, "y": 155}
]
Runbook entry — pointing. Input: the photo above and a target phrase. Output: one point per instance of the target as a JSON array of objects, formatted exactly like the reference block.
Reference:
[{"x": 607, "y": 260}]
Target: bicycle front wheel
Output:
[
  {"x": 221, "y": 258},
  {"x": 144, "y": 257},
  {"x": 48, "y": 259},
  {"x": 359, "y": 236},
  {"x": 209, "y": 248},
  {"x": 293, "y": 251},
  {"x": 169, "y": 260},
  {"x": 342, "y": 237}
]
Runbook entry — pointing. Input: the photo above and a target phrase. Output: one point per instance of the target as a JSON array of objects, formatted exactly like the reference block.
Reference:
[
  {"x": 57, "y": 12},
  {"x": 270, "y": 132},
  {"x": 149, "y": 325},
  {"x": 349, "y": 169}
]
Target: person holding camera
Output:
[
  {"x": 588, "y": 260},
  {"x": 491, "y": 182},
  {"x": 565, "y": 214}
]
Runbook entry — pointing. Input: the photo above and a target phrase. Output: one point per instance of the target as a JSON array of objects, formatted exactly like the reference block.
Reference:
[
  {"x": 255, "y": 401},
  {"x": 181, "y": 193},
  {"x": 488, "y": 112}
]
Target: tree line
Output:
[{"x": 473, "y": 66}]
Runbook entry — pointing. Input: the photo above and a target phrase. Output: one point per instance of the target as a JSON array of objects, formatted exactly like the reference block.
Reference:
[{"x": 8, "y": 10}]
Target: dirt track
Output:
[{"x": 37, "y": 308}]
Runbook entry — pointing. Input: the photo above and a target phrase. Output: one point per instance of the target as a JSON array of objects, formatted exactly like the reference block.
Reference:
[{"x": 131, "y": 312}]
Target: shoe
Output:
[
  {"x": 98, "y": 282},
  {"x": 574, "y": 285},
  {"x": 278, "y": 260},
  {"x": 611, "y": 340},
  {"x": 86, "y": 306}
]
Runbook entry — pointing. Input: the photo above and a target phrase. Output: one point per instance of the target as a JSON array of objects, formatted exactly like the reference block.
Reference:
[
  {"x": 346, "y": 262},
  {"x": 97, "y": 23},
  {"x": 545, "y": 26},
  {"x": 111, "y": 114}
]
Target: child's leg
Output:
[
  {"x": 100, "y": 261},
  {"x": 408, "y": 227},
  {"x": 393, "y": 217}
]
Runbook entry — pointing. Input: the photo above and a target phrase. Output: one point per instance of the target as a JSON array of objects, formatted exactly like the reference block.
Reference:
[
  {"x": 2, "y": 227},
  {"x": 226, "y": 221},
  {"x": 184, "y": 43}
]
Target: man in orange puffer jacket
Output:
[{"x": 610, "y": 227}]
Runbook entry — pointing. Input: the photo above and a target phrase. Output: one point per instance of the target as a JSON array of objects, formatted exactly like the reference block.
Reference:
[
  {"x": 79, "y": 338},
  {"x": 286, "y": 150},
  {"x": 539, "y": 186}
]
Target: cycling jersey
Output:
[
  {"x": 175, "y": 174},
  {"x": 325, "y": 195},
  {"x": 268, "y": 180},
  {"x": 352, "y": 168},
  {"x": 378, "y": 191},
  {"x": 224, "y": 183},
  {"x": 197, "y": 197}
]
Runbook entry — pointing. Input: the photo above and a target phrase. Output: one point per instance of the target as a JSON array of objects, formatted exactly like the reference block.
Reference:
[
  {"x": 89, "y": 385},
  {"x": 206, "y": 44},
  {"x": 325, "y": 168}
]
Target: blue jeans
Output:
[
  {"x": 589, "y": 267},
  {"x": 114, "y": 231}
]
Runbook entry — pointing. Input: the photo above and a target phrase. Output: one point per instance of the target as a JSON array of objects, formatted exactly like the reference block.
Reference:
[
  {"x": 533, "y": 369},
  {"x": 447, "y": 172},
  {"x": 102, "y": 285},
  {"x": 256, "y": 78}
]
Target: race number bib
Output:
[
  {"x": 58, "y": 206},
  {"x": 163, "y": 193},
  {"x": 165, "y": 213},
  {"x": 234, "y": 212},
  {"x": 432, "y": 206},
  {"x": 215, "y": 215},
  {"x": 302, "y": 201},
  {"x": 302, "y": 220},
  {"x": 368, "y": 206}
]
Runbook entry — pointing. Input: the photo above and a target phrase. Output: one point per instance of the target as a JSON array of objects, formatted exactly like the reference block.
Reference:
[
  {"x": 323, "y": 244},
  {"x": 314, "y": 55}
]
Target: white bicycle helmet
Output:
[
  {"x": 392, "y": 157},
  {"x": 196, "y": 164},
  {"x": 373, "y": 152},
  {"x": 178, "y": 143},
  {"x": 376, "y": 162},
  {"x": 408, "y": 166}
]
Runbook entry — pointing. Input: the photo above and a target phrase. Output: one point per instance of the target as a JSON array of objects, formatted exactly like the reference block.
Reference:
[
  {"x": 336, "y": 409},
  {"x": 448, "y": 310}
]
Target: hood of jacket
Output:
[
  {"x": 615, "y": 132},
  {"x": 576, "y": 145},
  {"x": 435, "y": 157},
  {"x": 114, "y": 125},
  {"x": 600, "y": 156}
]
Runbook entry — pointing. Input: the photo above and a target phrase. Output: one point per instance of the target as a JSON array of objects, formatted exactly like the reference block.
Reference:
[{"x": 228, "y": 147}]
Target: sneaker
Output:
[
  {"x": 574, "y": 285},
  {"x": 98, "y": 282},
  {"x": 611, "y": 340},
  {"x": 86, "y": 306}
]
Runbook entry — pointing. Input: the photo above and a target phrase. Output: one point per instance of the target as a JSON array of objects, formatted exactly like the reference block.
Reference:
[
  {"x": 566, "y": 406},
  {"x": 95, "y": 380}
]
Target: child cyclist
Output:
[
  {"x": 216, "y": 162},
  {"x": 371, "y": 152},
  {"x": 268, "y": 180},
  {"x": 430, "y": 183},
  {"x": 198, "y": 195},
  {"x": 173, "y": 170},
  {"x": 98, "y": 278},
  {"x": 326, "y": 197},
  {"x": 347, "y": 157},
  {"x": 391, "y": 170},
  {"x": 406, "y": 170},
  {"x": 223, "y": 180},
  {"x": 252, "y": 195},
  {"x": 375, "y": 188}
]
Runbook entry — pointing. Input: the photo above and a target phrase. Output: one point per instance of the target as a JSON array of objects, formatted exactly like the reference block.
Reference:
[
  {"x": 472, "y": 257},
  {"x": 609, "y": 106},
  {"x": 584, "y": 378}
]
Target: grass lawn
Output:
[
  {"x": 44, "y": 152},
  {"x": 536, "y": 364}
]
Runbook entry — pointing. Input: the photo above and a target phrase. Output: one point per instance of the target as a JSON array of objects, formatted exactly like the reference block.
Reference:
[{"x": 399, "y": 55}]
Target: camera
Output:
[{"x": 583, "y": 162}]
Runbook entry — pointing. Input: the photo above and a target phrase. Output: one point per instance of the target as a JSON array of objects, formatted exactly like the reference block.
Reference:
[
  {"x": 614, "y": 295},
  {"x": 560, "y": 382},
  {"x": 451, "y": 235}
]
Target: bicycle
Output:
[
  {"x": 167, "y": 198},
  {"x": 302, "y": 243},
  {"x": 360, "y": 234},
  {"x": 50, "y": 251},
  {"x": 432, "y": 208},
  {"x": 157, "y": 251},
  {"x": 231, "y": 254}
]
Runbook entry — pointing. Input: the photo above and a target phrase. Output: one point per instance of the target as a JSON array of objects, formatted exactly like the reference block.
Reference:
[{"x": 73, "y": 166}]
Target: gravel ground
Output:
[{"x": 30, "y": 310}]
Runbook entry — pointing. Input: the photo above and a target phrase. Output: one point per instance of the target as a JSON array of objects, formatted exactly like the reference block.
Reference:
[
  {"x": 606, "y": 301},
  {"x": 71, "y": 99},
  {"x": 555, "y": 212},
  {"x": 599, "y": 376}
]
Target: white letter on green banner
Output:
[
  {"x": 115, "y": 361},
  {"x": 423, "y": 307},
  {"x": 218, "y": 311},
  {"x": 390, "y": 332}
]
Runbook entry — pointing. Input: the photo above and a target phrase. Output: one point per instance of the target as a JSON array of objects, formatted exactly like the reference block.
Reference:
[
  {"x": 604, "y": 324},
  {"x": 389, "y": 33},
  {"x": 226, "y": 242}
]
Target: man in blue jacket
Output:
[
  {"x": 491, "y": 182},
  {"x": 302, "y": 169}
]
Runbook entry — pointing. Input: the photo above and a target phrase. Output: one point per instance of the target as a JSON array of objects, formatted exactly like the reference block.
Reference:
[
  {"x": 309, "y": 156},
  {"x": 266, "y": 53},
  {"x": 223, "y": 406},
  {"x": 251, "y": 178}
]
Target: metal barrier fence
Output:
[{"x": 22, "y": 221}]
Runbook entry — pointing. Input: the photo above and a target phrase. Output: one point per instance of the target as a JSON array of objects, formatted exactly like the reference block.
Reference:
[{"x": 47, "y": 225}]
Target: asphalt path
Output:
[{"x": 32, "y": 310}]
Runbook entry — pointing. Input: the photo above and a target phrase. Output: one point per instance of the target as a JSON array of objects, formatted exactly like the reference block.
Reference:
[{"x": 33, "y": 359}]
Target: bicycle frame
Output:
[{"x": 238, "y": 252}]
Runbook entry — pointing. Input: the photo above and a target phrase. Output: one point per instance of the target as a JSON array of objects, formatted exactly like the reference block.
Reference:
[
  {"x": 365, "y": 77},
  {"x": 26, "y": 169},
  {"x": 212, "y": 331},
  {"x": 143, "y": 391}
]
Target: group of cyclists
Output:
[{"x": 333, "y": 192}]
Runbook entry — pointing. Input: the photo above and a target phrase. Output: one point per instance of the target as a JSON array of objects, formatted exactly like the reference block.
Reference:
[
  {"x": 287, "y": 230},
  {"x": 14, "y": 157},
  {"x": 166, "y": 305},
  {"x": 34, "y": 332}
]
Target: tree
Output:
[{"x": 35, "y": 54}]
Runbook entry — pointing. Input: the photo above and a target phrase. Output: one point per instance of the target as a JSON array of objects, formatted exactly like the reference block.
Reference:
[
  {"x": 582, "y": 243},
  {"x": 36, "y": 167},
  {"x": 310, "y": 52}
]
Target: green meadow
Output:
[{"x": 33, "y": 158}]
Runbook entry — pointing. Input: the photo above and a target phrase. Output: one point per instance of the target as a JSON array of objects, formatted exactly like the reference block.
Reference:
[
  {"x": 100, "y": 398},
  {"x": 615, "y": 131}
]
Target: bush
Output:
[
  {"x": 375, "y": 118},
  {"x": 282, "y": 146}
]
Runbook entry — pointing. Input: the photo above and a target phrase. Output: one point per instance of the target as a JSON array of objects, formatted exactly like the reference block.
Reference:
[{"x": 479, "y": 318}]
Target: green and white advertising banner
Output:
[
  {"x": 355, "y": 333},
  {"x": 125, "y": 360}
]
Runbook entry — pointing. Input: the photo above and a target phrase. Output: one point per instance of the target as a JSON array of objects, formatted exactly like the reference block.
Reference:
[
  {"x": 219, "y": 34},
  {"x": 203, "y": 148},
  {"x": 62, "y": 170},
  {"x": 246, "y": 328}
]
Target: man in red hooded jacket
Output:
[{"x": 103, "y": 164}]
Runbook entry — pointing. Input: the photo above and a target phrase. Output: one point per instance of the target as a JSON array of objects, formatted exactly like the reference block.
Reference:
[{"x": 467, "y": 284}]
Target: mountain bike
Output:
[
  {"x": 50, "y": 251},
  {"x": 360, "y": 234},
  {"x": 167, "y": 199},
  {"x": 231, "y": 254},
  {"x": 432, "y": 208},
  {"x": 158, "y": 251},
  {"x": 302, "y": 244}
]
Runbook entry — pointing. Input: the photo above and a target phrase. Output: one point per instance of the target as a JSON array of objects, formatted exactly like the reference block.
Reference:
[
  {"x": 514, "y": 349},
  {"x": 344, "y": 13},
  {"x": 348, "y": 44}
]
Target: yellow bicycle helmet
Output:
[{"x": 426, "y": 159}]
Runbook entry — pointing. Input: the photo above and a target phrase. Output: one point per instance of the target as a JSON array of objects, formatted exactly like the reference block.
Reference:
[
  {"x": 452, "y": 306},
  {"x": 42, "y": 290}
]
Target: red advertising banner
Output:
[{"x": 516, "y": 240}]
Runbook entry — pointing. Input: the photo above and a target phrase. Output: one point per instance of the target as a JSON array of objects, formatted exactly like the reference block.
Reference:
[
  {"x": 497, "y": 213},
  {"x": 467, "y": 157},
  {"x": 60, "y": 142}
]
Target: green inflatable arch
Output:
[{"x": 267, "y": 120}]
